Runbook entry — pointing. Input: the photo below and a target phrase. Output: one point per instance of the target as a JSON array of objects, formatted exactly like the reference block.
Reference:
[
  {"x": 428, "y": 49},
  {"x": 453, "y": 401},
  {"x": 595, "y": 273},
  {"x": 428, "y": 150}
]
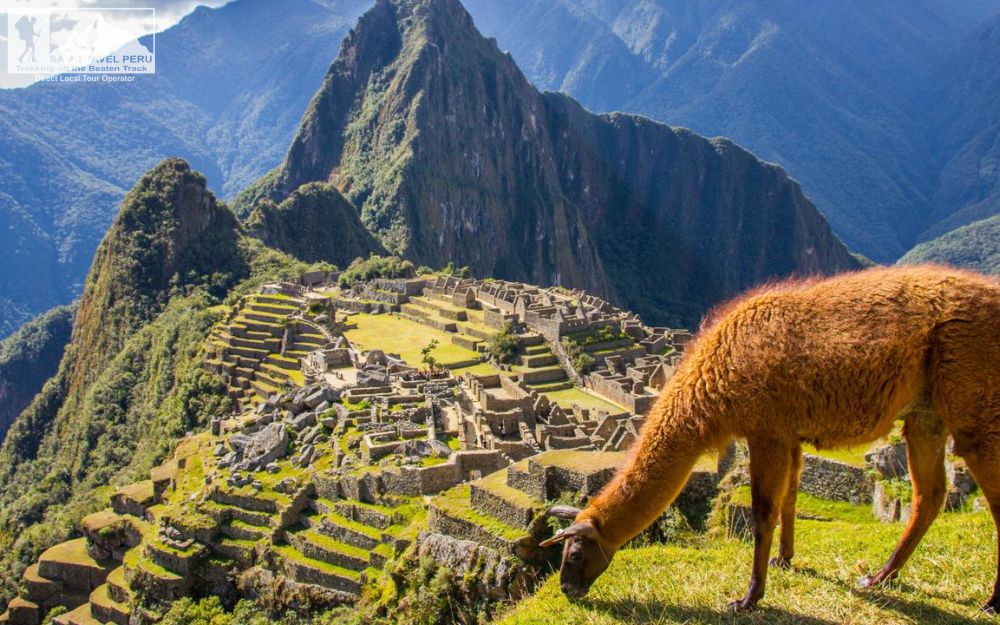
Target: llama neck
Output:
[{"x": 656, "y": 472}]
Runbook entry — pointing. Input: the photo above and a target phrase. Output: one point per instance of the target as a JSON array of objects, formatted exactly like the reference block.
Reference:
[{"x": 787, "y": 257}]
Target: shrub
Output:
[
  {"x": 583, "y": 363},
  {"x": 363, "y": 269},
  {"x": 581, "y": 360},
  {"x": 504, "y": 346}
]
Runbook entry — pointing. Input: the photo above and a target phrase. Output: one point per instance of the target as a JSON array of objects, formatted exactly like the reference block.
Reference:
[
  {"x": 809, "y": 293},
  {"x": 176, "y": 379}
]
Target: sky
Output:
[{"x": 168, "y": 13}]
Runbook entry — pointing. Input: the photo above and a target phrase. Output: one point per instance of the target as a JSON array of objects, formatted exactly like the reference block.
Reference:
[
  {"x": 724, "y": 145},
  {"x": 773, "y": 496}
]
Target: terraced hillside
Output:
[
  {"x": 187, "y": 531},
  {"x": 259, "y": 346}
]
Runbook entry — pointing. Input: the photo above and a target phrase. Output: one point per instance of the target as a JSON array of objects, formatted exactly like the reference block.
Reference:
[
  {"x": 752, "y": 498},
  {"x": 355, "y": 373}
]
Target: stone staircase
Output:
[
  {"x": 540, "y": 368},
  {"x": 339, "y": 544},
  {"x": 258, "y": 350}
]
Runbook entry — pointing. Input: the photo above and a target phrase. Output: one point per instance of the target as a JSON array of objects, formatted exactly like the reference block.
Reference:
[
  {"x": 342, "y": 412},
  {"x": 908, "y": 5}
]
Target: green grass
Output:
[
  {"x": 456, "y": 502},
  {"x": 821, "y": 508},
  {"x": 496, "y": 483},
  {"x": 584, "y": 399},
  {"x": 854, "y": 456},
  {"x": 396, "y": 335},
  {"x": 582, "y": 461},
  {"x": 945, "y": 582},
  {"x": 136, "y": 560},
  {"x": 350, "y": 524},
  {"x": 290, "y": 553},
  {"x": 331, "y": 544},
  {"x": 483, "y": 368},
  {"x": 71, "y": 552}
]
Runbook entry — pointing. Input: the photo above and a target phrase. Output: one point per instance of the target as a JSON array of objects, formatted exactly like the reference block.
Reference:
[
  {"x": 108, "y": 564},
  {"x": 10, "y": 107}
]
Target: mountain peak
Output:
[
  {"x": 448, "y": 154},
  {"x": 169, "y": 233}
]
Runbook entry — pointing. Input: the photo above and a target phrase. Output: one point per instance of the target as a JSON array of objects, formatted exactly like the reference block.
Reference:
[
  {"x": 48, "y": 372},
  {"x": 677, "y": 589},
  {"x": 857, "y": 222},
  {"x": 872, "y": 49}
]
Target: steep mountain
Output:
[
  {"x": 975, "y": 246},
  {"x": 229, "y": 89},
  {"x": 314, "y": 224},
  {"x": 833, "y": 91},
  {"x": 28, "y": 358},
  {"x": 968, "y": 133},
  {"x": 130, "y": 380},
  {"x": 450, "y": 155}
]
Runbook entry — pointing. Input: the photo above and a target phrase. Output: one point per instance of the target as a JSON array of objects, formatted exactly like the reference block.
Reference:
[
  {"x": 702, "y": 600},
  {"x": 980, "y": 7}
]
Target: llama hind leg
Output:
[
  {"x": 925, "y": 444},
  {"x": 786, "y": 548},
  {"x": 984, "y": 462},
  {"x": 770, "y": 470}
]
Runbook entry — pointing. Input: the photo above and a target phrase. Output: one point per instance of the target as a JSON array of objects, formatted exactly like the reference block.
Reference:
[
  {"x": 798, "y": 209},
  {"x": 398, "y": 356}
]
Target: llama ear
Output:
[
  {"x": 561, "y": 535},
  {"x": 563, "y": 512}
]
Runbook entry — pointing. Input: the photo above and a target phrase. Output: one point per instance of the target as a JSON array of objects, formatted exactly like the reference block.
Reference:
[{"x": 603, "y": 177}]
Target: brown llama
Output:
[{"x": 832, "y": 363}]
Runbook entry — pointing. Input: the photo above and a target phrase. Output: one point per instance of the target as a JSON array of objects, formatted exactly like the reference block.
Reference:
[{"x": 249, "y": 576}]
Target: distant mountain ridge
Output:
[
  {"x": 230, "y": 86},
  {"x": 450, "y": 155},
  {"x": 975, "y": 246},
  {"x": 28, "y": 358}
]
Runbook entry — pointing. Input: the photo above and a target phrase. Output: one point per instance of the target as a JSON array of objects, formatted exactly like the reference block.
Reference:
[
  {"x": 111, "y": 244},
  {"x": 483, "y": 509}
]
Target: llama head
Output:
[{"x": 585, "y": 552}]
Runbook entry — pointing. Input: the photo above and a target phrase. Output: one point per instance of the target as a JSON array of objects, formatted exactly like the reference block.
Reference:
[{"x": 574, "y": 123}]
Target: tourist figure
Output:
[{"x": 26, "y": 31}]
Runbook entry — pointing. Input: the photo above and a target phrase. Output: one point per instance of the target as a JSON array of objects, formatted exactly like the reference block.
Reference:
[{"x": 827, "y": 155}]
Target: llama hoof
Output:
[
  {"x": 867, "y": 582},
  {"x": 781, "y": 563},
  {"x": 742, "y": 605},
  {"x": 992, "y": 607}
]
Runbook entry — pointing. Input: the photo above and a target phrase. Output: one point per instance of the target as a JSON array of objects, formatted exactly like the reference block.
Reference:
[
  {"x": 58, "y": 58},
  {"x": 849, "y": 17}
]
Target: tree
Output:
[{"x": 426, "y": 357}]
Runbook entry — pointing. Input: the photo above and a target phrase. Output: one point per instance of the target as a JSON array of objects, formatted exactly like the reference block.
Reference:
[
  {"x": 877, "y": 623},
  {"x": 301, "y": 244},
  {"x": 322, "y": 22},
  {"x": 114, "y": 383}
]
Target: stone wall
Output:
[
  {"x": 604, "y": 385},
  {"x": 496, "y": 576},
  {"x": 836, "y": 481}
]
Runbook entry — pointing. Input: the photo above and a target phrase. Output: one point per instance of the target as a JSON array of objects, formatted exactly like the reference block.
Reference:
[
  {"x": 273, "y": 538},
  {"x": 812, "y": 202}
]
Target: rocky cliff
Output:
[{"x": 449, "y": 154}]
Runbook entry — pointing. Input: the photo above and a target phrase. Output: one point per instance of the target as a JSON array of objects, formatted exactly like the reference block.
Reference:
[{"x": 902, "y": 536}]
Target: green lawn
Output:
[
  {"x": 854, "y": 456},
  {"x": 404, "y": 337},
  {"x": 947, "y": 579},
  {"x": 483, "y": 368},
  {"x": 584, "y": 399}
]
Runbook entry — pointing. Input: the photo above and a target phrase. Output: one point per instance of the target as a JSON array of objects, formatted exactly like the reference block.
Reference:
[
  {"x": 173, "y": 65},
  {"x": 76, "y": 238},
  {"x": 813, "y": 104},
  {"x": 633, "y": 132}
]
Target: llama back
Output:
[{"x": 829, "y": 361}]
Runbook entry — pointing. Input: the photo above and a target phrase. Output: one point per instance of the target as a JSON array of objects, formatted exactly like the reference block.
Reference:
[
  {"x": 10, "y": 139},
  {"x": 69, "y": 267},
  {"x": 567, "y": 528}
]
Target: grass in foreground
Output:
[{"x": 945, "y": 582}]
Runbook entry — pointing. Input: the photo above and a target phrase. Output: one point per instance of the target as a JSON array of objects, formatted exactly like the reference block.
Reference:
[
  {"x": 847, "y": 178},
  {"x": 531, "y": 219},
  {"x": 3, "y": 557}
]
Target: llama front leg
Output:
[
  {"x": 925, "y": 442},
  {"x": 786, "y": 548},
  {"x": 770, "y": 471}
]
